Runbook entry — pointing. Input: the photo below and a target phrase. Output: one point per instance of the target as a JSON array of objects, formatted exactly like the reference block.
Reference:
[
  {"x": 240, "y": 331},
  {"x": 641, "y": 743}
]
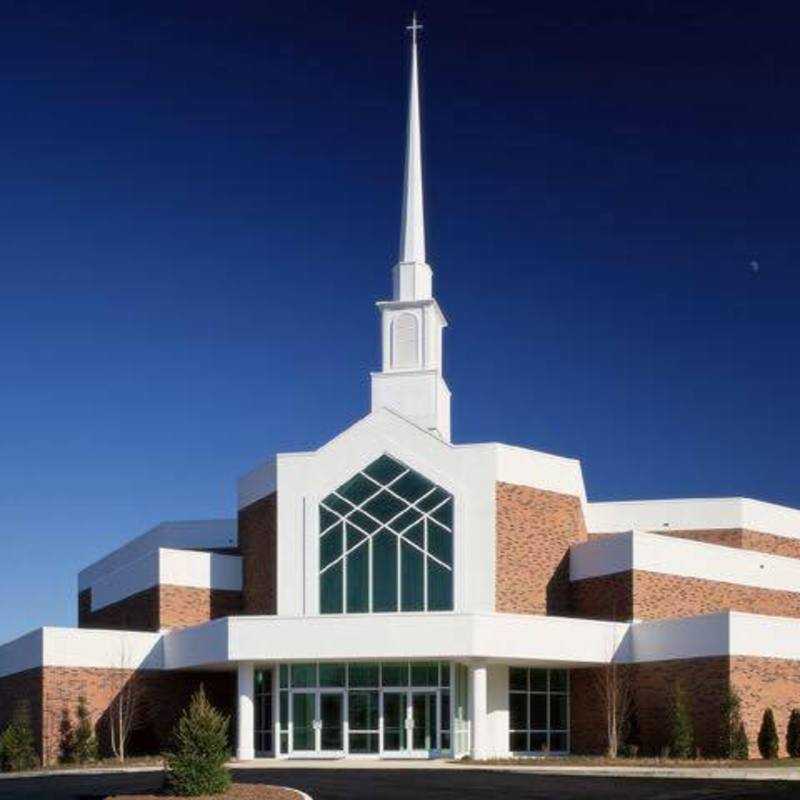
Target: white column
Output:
[
  {"x": 479, "y": 723},
  {"x": 276, "y": 710},
  {"x": 245, "y": 740}
]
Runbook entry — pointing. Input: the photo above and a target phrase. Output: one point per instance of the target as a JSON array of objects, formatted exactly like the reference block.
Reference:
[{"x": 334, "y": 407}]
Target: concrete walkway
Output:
[{"x": 696, "y": 773}]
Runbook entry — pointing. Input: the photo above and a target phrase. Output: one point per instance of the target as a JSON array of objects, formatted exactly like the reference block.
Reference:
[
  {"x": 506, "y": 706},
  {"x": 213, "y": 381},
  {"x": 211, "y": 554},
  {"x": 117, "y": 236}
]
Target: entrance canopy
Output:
[{"x": 491, "y": 637}]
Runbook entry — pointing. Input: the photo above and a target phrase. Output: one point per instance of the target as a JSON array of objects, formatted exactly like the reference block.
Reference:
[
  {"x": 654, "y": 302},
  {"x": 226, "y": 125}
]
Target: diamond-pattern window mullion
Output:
[{"x": 386, "y": 503}]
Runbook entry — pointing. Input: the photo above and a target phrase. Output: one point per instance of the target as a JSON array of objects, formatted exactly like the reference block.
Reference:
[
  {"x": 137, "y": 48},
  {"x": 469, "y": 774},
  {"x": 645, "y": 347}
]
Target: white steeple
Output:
[
  {"x": 411, "y": 381},
  {"x": 412, "y": 222}
]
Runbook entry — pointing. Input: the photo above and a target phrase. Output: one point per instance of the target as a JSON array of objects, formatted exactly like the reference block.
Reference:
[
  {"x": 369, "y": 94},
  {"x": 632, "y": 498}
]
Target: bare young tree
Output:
[
  {"x": 614, "y": 690},
  {"x": 126, "y": 710},
  {"x": 613, "y": 686}
]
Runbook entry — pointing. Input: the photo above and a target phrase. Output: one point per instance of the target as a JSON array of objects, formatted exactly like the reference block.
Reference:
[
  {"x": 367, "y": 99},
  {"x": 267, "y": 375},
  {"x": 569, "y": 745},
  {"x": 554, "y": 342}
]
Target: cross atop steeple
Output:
[{"x": 414, "y": 27}]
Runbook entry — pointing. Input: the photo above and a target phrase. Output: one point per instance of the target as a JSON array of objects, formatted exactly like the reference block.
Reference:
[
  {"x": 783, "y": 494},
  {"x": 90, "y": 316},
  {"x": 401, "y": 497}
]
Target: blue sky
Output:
[{"x": 201, "y": 205}]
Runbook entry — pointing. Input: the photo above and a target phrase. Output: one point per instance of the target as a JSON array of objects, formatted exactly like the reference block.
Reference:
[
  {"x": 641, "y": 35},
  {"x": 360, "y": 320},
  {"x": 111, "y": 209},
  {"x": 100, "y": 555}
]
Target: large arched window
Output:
[{"x": 386, "y": 543}]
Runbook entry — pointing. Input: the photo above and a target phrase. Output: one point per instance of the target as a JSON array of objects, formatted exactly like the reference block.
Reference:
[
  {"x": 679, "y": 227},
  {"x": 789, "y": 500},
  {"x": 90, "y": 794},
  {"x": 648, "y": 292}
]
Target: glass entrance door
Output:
[
  {"x": 395, "y": 705},
  {"x": 331, "y": 717},
  {"x": 423, "y": 719},
  {"x": 303, "y": 728}
]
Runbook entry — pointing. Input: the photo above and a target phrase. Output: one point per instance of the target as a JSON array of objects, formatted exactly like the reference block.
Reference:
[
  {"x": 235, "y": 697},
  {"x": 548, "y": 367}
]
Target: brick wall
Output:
[
  {"x": 25, "y": 686},
  {"x": 535, "y": 529},
  {"x": 762, "y": 683},
  {"x": 258, "y": 543},
  {"x": 650, "y": 595},
  {"x": 162, "y": 697},
  {"x": 183, "y": 606},
  {"x": 743, "y": 539},
  {"x": 651, "y": 686},
  {"x": 139, "y": 612},
  {"x": 160, "y": 607},
  {"x": 603, "y": 597}
]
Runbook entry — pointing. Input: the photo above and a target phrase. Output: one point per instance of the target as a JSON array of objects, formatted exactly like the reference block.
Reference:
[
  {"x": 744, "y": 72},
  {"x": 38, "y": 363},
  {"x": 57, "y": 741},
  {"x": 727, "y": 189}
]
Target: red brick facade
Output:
[
  {"x": 535, "y": 529},
  {"x": 650, "y": 595},
  {"x": 162, "y": 697},
  {"x": 760, "y": 683},
  {"x": 743, "y": 539},
  {"x": 160, "y": 607},
  {"x": 258, "y": 544}
]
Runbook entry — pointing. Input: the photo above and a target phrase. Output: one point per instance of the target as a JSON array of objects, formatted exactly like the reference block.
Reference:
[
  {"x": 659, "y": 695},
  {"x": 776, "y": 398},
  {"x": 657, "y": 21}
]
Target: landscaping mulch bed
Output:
[{"x": 239, "y": 791}]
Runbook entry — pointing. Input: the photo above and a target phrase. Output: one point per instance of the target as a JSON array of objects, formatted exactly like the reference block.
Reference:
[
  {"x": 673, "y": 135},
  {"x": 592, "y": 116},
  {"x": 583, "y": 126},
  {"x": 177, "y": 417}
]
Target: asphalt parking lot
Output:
[{"x": 409, "y": 784}]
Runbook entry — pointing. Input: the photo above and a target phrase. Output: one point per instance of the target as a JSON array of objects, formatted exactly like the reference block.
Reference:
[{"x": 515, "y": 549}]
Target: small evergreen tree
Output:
[
  {"x": 17, "y": 744},
  {"x": 733, "y": 740},
  {"x": 85, "y": 747},
  {"x": 768, "y": 736},
  {"x": 741, "y": 744},
  {"x": 197, "y": 765},
  {"x": 681, "y": 740},
  {"x": 632, "y": 739},
  {"x": 793, "y": 734},
  {"x": 66, "y": 744}
]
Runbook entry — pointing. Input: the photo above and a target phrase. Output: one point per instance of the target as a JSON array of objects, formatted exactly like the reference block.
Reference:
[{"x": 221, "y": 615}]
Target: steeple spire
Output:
[
  {"x": 412, "y": 222},
  {"x": 410, "y": 381}
]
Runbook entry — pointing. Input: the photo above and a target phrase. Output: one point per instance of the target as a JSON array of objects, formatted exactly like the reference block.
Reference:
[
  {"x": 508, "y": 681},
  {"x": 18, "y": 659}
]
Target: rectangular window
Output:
[
  {"x": 263, "y": 711},
  {"x": 538, "y": 702},
  {"x": 332, "y": 674},
  {"x": 364, "y": 675},
  {"x": 424, "y": 674},
  {"x": 304, "y": 675},
  {"x": 395, "y": 674}
]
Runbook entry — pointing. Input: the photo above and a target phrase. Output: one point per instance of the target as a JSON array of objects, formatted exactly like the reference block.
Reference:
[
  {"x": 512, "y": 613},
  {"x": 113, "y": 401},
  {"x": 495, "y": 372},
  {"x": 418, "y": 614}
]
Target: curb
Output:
[
  {"x": 60, "y": 773},
  {"x": 302, "y": 794},
  {"x": 676, "y": 773}
]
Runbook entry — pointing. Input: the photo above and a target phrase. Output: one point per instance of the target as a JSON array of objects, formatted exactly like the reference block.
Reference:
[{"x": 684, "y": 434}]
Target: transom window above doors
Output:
[{"x": 386, "y": 543}]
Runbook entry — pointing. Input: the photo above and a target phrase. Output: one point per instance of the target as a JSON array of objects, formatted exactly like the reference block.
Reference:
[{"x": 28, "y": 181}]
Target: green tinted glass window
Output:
[
  {"x": 357, "y": 489},
  {"x": 394, "y": 674},
  {"x": 412, "y": 574},
  {"x": 330, "y": 546},
  {"x": 538, "y": 710},
  {"x": 332, "y": 674},
  {"x": 425, "y": 674},
  {"x": 304, "y": 675},
  {"x": 363, "y": 674},
  {"x": 358, "y": 580},
  {"x": 384, "y": 572},
  {"x": 412, "y": 486},
  {"x": 331, "y": 585},
  {"x": 440, "y": 587},
  {"x": 386, "y": 543},
  {"x": 385, "y": 470},
  {"x": 337, "y": 505},
  {"x": 518, "y": 678}
]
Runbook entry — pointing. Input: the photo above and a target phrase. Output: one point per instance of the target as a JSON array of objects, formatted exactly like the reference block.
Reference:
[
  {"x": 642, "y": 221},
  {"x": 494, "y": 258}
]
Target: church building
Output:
[{"x": 395, "y": 594}]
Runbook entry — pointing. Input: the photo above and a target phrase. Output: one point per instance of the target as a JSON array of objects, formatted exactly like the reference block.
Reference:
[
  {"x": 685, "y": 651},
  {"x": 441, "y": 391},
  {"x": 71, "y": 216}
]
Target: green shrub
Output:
[
  {"x": 733, "y": 740},
  {"x": 793, "y": 734},
  {"x": 66, "y": 738},
  {"x": 17, "y": 744},
  {"x": 197, "y": 765},
  {"x": 768, "y": 736},
  {"x": 681, "y": 735},
  {"x": 85, "y": 741},
  {"x": 741, "y": 744}
]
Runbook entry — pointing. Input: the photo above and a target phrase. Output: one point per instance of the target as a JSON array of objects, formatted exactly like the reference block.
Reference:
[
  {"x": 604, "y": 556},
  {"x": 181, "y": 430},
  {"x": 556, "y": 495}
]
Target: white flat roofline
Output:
[
  {"x": 507, "y": 638},
  {"x": 702, "y": 513}
]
